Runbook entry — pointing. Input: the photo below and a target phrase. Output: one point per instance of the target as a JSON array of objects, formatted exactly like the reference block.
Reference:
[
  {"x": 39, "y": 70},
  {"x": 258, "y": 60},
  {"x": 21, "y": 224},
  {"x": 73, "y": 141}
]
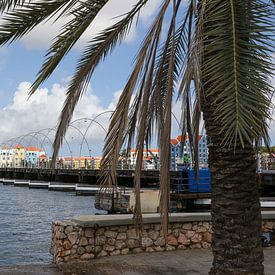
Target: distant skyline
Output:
[{"x": 20, "y": 62}]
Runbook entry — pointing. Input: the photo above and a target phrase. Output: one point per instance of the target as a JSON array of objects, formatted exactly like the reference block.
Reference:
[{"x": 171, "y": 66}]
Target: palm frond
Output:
[
  {"x": 6, "y": 5},
  {"x": 23, "y": 19},
  {"x": 118, "y": 125},
  {"x": 83, "y": 16},
  {"x": 99, "y": 48},
  {"x": 236, "y": 67},
  {"x": 165, "y": 129}
]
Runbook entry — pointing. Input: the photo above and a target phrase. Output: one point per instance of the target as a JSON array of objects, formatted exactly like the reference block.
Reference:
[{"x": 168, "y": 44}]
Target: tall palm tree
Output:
[{"x": 215, "y": 58}]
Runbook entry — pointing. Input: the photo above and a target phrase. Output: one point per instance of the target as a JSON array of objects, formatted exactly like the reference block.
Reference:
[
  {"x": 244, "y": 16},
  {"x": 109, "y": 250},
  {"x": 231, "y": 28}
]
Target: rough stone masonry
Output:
[{"x": 74, "y": 241}]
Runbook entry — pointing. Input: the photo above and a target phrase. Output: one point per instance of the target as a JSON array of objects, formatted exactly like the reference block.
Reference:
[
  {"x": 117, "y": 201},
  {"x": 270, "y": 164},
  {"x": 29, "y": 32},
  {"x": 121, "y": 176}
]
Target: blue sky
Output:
[{"x": 20, "y": 62}]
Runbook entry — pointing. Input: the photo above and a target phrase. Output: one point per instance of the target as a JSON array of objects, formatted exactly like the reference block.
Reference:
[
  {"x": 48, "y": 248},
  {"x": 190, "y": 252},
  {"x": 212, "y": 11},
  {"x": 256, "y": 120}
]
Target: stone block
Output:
[
  {"x": 205, "y": 245},
  {"x": 60, "y": 235},
  {"x": 73, "y": 251},
  {"x": 100, "y": 240},
  {"x": 176, "y": 232},
  {"x": 201, "y": 229},
  {"x": 137, "y": 250},
  {"x": 187, "y": 226},
  {"x": 122, "y": 228},
  {"x": 68, "y": 229},
  {"x": 110, "y": 234},
  {"x": 183, "y": 240},
  {"x": 132, "y": 234},
  {"x": 91, "y": 241},
  {"x": 89, "y": 232},
  {"x": 148, "y": 226},
  {"x": 170, "y": 247},
  {"x": 153, "y": 234},
  {"x": 149, "y": 249},
  {"x": 197, "y": 238},
  {"x": 87, "y": 256},
  {"x": 103, "y": 253},
  {"x": 120, "y": 244},
  {"x": 100, "y": 231},
  {"x": 195, "y": 246},
  {"x": 159, "y": 248},
  {"x": 189, "y": 234},
  {"x": 121, "y": 236},
  {"x": 89, "y": 248},
  {"x": 67, "y": 245},
  {"x": 97, "y": 249},
  {"x": 160, "y": 241},
  {"x": 132, "y": 243},
  {"x": 195, "y": 227},
  {"x": 73, "y": 237},
  {"x": 114, "y": 228},
  {"x": 115, "y": 253},
  {"x": 64, "y": 253},
  {"x": 125, "y": 251},
  {"x": 172, "y": 240},
  {"x": 83, "y": 241},
  {"x": 207, "y": 237},
  {"x": 207, "y": 225},
  {"x": 81, "y": 250},
  {"x": 182, "y": 247},
  {"x": 111, "y": 241},
  {"x": 157, "y": 227},
  {"x": 146, "y": 242},
  {"x": 176, "y": 225},
  {"x": 109, "y": 248}
]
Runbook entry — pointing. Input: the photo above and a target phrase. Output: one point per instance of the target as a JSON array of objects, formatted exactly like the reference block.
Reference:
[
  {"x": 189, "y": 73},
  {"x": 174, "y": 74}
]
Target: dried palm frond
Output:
[
  {"x": 94, "y": 53},
  {"x": 118, "y": 125}
]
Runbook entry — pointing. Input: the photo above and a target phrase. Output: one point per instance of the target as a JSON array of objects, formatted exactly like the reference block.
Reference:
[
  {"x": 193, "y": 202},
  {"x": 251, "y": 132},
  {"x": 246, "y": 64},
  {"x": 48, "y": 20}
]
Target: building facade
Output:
[
  {"x": 181, "y": 153},
  {"x": 150, "y": 159}
]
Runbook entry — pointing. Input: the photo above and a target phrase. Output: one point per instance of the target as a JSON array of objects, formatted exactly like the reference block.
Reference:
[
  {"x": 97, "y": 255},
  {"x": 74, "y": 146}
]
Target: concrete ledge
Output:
[{"x": 127, "y": 219}]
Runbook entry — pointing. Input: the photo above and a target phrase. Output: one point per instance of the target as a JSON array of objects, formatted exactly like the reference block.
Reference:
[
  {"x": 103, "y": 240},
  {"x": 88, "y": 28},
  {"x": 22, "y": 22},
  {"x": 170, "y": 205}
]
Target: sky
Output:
[{"x": 20, "y": 62}]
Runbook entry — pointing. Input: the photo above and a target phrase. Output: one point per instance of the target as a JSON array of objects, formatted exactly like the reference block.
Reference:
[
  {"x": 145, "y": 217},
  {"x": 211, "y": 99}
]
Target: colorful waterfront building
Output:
[
  {"x": 96, "y": 161},
  {"x": 32, "y": 156},
  {"x": 6, "y": 156},
  {"x": 150, "y": 159},
  {"x": 181, "y": 154},
  {"x": 18, "y": 156},
  {"x": 77, "y": 162}
]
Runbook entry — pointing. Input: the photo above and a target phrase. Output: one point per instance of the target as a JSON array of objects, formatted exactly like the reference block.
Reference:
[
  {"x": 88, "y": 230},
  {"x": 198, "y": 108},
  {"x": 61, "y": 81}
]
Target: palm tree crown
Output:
[{"x": 215, "y": 52}]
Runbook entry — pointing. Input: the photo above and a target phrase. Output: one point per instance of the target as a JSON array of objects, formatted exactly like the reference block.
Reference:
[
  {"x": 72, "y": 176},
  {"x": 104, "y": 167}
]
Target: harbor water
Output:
[{"x": 25, "y": 221}]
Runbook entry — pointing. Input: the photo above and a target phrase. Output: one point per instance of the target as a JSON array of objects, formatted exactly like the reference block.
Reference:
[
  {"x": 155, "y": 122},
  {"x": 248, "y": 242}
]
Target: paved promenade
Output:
[{"x": 184, "y": 262}]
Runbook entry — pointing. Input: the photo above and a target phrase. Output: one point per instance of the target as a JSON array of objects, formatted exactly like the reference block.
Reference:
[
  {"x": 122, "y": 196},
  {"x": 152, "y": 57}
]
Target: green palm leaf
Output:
[
  {"x": 94, "y": 53},
  {"x": 23, "y": 19},
  {"x": 83, "y": 16},
  {"x": 238, "y": 77},
  {"x": 6, "y": 5}
]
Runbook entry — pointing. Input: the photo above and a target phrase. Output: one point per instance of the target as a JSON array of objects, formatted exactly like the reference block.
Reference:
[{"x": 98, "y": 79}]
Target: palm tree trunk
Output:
[{"x": 236, "y": 215}]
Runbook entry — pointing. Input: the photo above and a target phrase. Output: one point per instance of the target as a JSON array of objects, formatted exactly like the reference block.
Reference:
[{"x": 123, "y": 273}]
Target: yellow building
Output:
[
  {"x": 80, "y": 162},
  {"x": 18, "y": 156},
  {"x": 96, "y": 162}
]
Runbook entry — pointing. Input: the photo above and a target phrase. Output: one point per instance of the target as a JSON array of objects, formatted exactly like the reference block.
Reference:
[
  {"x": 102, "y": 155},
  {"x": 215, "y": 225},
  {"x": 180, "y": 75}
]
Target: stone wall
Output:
[{"x": 72, "y": 241}]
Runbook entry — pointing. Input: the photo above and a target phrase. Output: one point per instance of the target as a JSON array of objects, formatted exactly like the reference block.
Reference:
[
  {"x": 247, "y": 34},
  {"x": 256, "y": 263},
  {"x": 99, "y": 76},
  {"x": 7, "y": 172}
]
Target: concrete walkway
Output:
[{"x": 184, "y": 262}]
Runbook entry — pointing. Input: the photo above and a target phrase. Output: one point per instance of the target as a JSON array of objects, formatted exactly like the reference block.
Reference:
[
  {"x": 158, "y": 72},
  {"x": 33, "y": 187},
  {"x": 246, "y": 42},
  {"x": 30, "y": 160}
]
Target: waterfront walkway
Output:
[{"x": 180, "y": 262}]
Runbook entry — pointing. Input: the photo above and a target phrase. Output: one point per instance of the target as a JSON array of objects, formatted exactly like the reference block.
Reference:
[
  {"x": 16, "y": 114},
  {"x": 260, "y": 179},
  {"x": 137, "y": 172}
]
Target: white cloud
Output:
[
  {"x": 42, "y": 110},
  {"x": 42, "y": 36}
]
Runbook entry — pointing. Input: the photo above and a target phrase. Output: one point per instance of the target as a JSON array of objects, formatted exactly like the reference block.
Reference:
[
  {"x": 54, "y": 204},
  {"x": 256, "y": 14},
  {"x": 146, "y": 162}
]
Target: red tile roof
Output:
[
  {"x": 18, "y": 146},
  {"x": 34, "y": 149}
]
